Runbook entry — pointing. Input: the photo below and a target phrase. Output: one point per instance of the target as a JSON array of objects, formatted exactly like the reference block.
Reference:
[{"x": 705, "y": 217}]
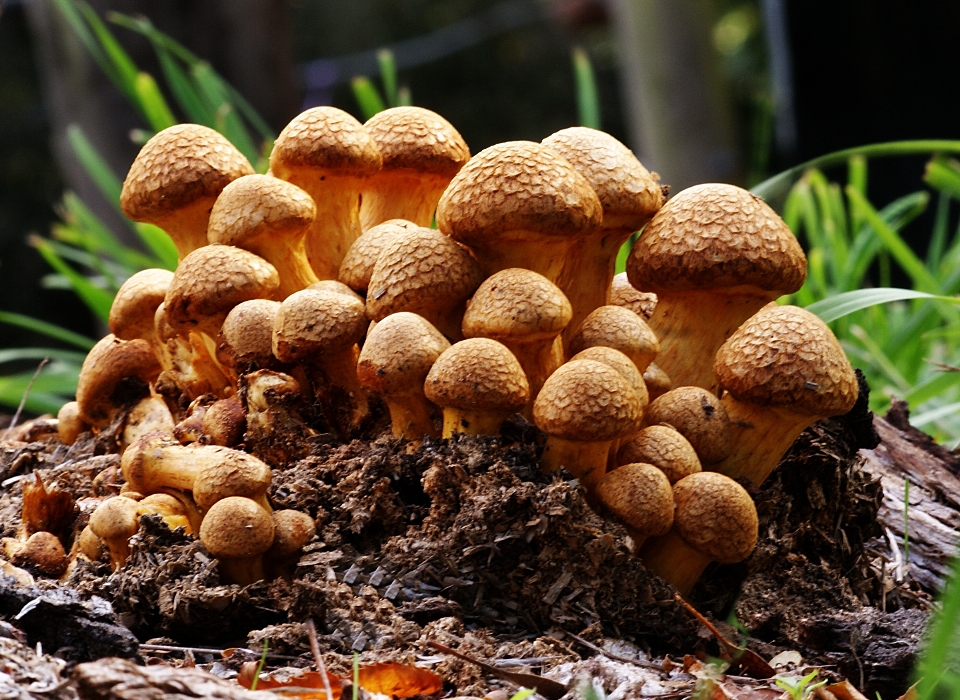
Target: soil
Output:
[{"x": 465, "y": 542}]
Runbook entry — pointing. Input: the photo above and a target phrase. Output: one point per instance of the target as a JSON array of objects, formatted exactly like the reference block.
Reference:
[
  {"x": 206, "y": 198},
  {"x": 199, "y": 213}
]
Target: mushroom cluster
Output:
[{"x": 309, "y": 298}]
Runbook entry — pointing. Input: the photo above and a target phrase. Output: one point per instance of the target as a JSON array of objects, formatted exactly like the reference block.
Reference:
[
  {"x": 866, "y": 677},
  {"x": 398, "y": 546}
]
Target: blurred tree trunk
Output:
[
  {"x": 679, "y": 107},
  {"x": 247, "y": 41}
]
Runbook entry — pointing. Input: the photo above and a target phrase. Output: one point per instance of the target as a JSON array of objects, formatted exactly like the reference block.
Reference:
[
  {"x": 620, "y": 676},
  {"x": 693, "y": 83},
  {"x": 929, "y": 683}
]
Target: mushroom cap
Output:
[
  {"x": 292, "y": 529},
  {"x": 715, "y": 236},
  {"x": 418, "y": 139},
  {"x": 517, "y": 305},
  {"x": 312, "y": 323},
  {"x": 478, "y": 374},
  {"x": 785, "y": 356},
  {"x": 259, "y": 208},
  {"x": 657, "y": 381},
  {"x": 517, "y": 186},
  {"x": 358, "y": 263},
  {"x": 398, "y": 353},
  {"x": 421, "y": 271},
  {"x": 70, "y": 423},
  {"x": 620, "y": 362},
  {"x": 618, "y": 328},
  {"x": 177, "y": 167},
  {"x": 246, "y": 336},
  {"x": 699, "y": 416},
  {"x": 42, "y": 551},
  {"x": 640, "y": 496},
  {"x": 663, "y": 447},
  {"x": 213, "y": 279},
  {"x": 335, "y": 287},
  {"x": 623, "y": 294},
  {"x": 325, "y": 138},
  {"x": 103, "y": 372},
  {"x": 236, "y": 528},
  {"x": 716, "y": 516},
  {"x": 115, "y": 518},
  {"x": 587, "y": 401},
  {"x": 131, "y": 315},
  {"x": 229, "y": 472},
  {"x": 629, "y": 193}
]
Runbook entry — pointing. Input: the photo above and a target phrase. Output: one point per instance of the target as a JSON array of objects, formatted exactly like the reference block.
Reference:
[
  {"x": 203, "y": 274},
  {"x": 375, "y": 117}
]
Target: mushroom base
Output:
[
  {"x": 673, "y": 560},
  {"x": 459, "y": 420},
  {"x": 585, "y": 460},
  {"x": 241, "y": 571}
]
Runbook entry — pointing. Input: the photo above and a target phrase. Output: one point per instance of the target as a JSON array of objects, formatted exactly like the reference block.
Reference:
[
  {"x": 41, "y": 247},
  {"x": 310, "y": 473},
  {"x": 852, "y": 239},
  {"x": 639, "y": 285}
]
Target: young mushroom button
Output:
[
  {"x": 699, "y": 416},
  {"x": 618, "y": 328},
  {"x": 714, "y": 255},
  {"x": 136, "y": 302},
  {"x": 641, "y": 497},
  {"x": 114, "y": 373},
  {"x": 238, "y": 533},
  {"x": 176, "y": 178},
  {"x": 664, "y": 448},
  {"x": 357, "y": 266},
  {"x": 623, "y": 294}
]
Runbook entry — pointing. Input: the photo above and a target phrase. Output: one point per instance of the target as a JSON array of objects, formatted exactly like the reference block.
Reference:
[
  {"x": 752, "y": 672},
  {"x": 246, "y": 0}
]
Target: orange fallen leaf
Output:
[
  {"x": 306, "y": 686},
  {"x": 398, "y": 680}
]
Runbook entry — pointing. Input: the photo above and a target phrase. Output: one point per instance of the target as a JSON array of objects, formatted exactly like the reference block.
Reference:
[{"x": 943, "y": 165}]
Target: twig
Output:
[
  {"x": 205, "y": 650},
  {"x": 610, "y": 654},
  {"x": 23, "y": 400},
  {"x": 315, "y": 648},
  {"x": 547, "y": 687}
]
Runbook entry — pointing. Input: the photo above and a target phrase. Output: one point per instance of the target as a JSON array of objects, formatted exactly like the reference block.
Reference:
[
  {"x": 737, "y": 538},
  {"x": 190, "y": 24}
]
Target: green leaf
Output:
[
  {"x": 388, "y": 75},
  {"x": 941, "y": 175},
  {"x": 932, "y": 387},
  {"x": 934, "y": 414},
  {"x": 840, "y": 305},
  {"x": 367, "y": 96},
  {"x": 226, "y": 119},
  {"x": 48, "y": 329},
  {"x": 56, "y": 382},
  {"x": 103, "y": 177},
  {"x": 153, "y": 102},
  {"x": 588, "y": 100},
  {"x": 160, "y": 244},
  {"x": 404, "y": 96},
  {"x": 96, "y": 299},
  {"x": 21, "y": 354}
]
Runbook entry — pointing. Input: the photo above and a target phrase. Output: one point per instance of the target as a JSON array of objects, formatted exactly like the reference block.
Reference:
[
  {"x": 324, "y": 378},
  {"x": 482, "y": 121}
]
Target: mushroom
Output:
[
  {"x": 176, "y": 178},
  {"x": 268, "y": 217},
  {"x": 623, "y": 294},
  {"x": 358, "y": 263},
  {"x": 657, "y": 381},
  {"x": 699, "y": 416},
  {"x": 245, "y": 340},
  {"x": 629, "y": 194},
  {"x": 583, "y": 407},
  {"x": 664, "y": 448},
  {"x": 782, "y": 371},
  {"x": 526, "y": 312},
  {"x": 225, "y": 422},
  {"x": 715, "y": 520},
  {"x": 394, "y": 362},
  {"x": 134, "y": 306},
  {"x": 640, "y": 496},
  {"x": 427, "y": 273},
  {"x": 115, "y": 521},
  {"x": 275, "y": 432},
  {"x": 478, "y": 383},
  {"x": 43, "y": 553},
  {"x": 192, "y": 370},
  {"x": 291, "y": 531},
  {"x": 114, "y": 373},
  {"x": 714, "y": 255},
  {"x": 421, "y": 153},
  {"x": 519, "y": 204},
  {"x": 618, "y": 328},
  {"x": 238, "y": 532},
  {"x": 69, "y": 423},
  {"x": 150, "y": 415},
  {"x": 329, "y": 154}
]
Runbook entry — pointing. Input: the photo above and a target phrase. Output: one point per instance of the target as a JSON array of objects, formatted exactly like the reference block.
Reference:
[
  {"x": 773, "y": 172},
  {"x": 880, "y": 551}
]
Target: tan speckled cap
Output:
[
  {"x": 713, "y": 236},
  {"x": 105, "y": 367},
  {"x": 418, "y": 139},
  {"x": 357, "y": 265},
  {"x": 212, "y": 280},
  {"x": 292, "y": 530},
  {"x": 478, "y": 374},
  {"x": 398, "y": 353},
  {"x": 181, "y": 166},
  {"x": 587, "y": 401},
  {"x": 313, "y": 323},
  {"x": 136, "y": 302},
  {"x": 516, "y": 305},
  {"x": 618, "y": 328},
  {"x": 623, "y": 294},
  {"x": 664, "y": 448},
  {"x": 236, "y": 528},
  {"x": 620, "y": 362},
  {"x": 699, "y": 416},
  {"x": 716, "y": 516},
  {"x": 785, "y": 356},
  {"x": 245, "y": 339},
  {"x": 629, "y": 193},
  {"x": 325, "y": 138},
  {"x": 658, "y": 382},
  {"x": 640, "y": 496}
]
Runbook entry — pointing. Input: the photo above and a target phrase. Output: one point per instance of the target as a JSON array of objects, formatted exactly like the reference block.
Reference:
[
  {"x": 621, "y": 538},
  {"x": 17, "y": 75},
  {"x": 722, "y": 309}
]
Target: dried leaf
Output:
[
  {"x": 911, "y": 693},
  {"x": 47, "y": 510},
  {"x": 398, "y": 680},
  {"x": 845, "y": 691},
  {"x": 306, "y": 686}
]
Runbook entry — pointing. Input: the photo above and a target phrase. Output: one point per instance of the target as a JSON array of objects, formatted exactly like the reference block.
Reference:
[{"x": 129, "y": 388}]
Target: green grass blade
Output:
[
  {"x": 97, "y": 300},
  {"x": 124, "y": 73},
  {"x": 941, "y": 176},
  {"x": 934, "y": 414},
  {"x": 931, "y": 387},
  {"x": 227, "y": 121},
  {"x": 103, "y": 177},
  {"x": 153, "y": 102},
  {"x": 938, "y": 236},
  {"x": 158, "y": 243},
  {"x": 404, "y": 96},
  {"x": 93, "y": 235},
  {"x": 388, "y": 75},
  {"x": 367, "y": 96},
  {"x": 73, "y": 17},
  {"x": 48, "y": 329},
  {"x": 30, "y": 354},
  {"x": 588, "y": 100},
  {"x": 182, "y": 87},
  {"x": 840, "y": 305},
  {"x": 56, "y": 382}
]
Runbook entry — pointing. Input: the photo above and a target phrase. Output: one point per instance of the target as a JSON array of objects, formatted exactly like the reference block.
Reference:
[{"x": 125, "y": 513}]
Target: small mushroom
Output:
[
  {"x": 43, "y": 553},
  {"x": 115, "y": 521},
  {"x": 639, "y": 495},
  {"x": 358, "y": 263},
  {"x": 245, "y": 340},
  {"x": 699, "y": 416},
  {"x": 69, "y": 423},
  {"x": 238, "y": 532},
  {"x": 135, "y": 304},
  {"x": 618, "y": 328},
  {"x": 657, "y": 381},
  {"x": 115, "y": 373},
  {"x": 664, "y": 448},
  {"x": 623, "y": 294},
  {"x": 275, "y": 431},
  {"x": 292, "y": 530},
  {"x": 150, "y": 415}
]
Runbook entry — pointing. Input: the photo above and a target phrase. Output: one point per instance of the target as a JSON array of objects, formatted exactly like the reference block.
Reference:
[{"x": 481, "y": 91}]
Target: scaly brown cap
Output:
[
  {"x": 517, "y": 186},
  {"x": 623, "y": 294},
  {"x": 785, "y": 356},
  {"x": 477, "y": 374},
  {"x": 292, "y": 529},
  {"x": 313, "y": 323},
  {"x": 136, "y": 302},
  {"x": 658, "y": 382},
  {"x": 587, "y": 401},
  {"x": 618, "y": 328},
  {"x": 714, "y": 236},
  {"x": 418, "y": 139},
  {"x": 358, "y": 263},
  {"x": 236, "y": 528},
  {"x": 716, "y": 516},
  {"x": 178, "y": 167},
  {"x": 398, "y": 353},
  {"x": 620, "y": 362},
  {"x": 255, "y": 210},
  {"x": 325, "y": 138},
  {"x": 664, "y": 448},
  {"x": 629, "y": 193},
  {"x": 640, "y": 496},
  {"x": 699, "y": 416},
  {"x": 101, "y": 388},
  {"x": 516, "y": 305},
  {"x": 246, "y": 337}
]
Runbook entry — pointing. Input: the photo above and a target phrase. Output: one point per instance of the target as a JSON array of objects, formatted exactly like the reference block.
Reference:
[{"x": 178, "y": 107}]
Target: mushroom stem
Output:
[
  {"x": 585, "y": 460},
  {"x": 461, "y": 420},
  {"x": 518, "y": 250},
  {"x": 673, "y": 560},
  {"x": 352, "y": 406},
  {"x": 243, "y": 571},
  {"x": 337, "y": 224},
  {"x": 410, "y": 416},
  {"x": 187, "y": 227},
  {"x": 403, "y": 195},
  {"x": 539, "y": 360},
  {"x": 691, "y": 327}
]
